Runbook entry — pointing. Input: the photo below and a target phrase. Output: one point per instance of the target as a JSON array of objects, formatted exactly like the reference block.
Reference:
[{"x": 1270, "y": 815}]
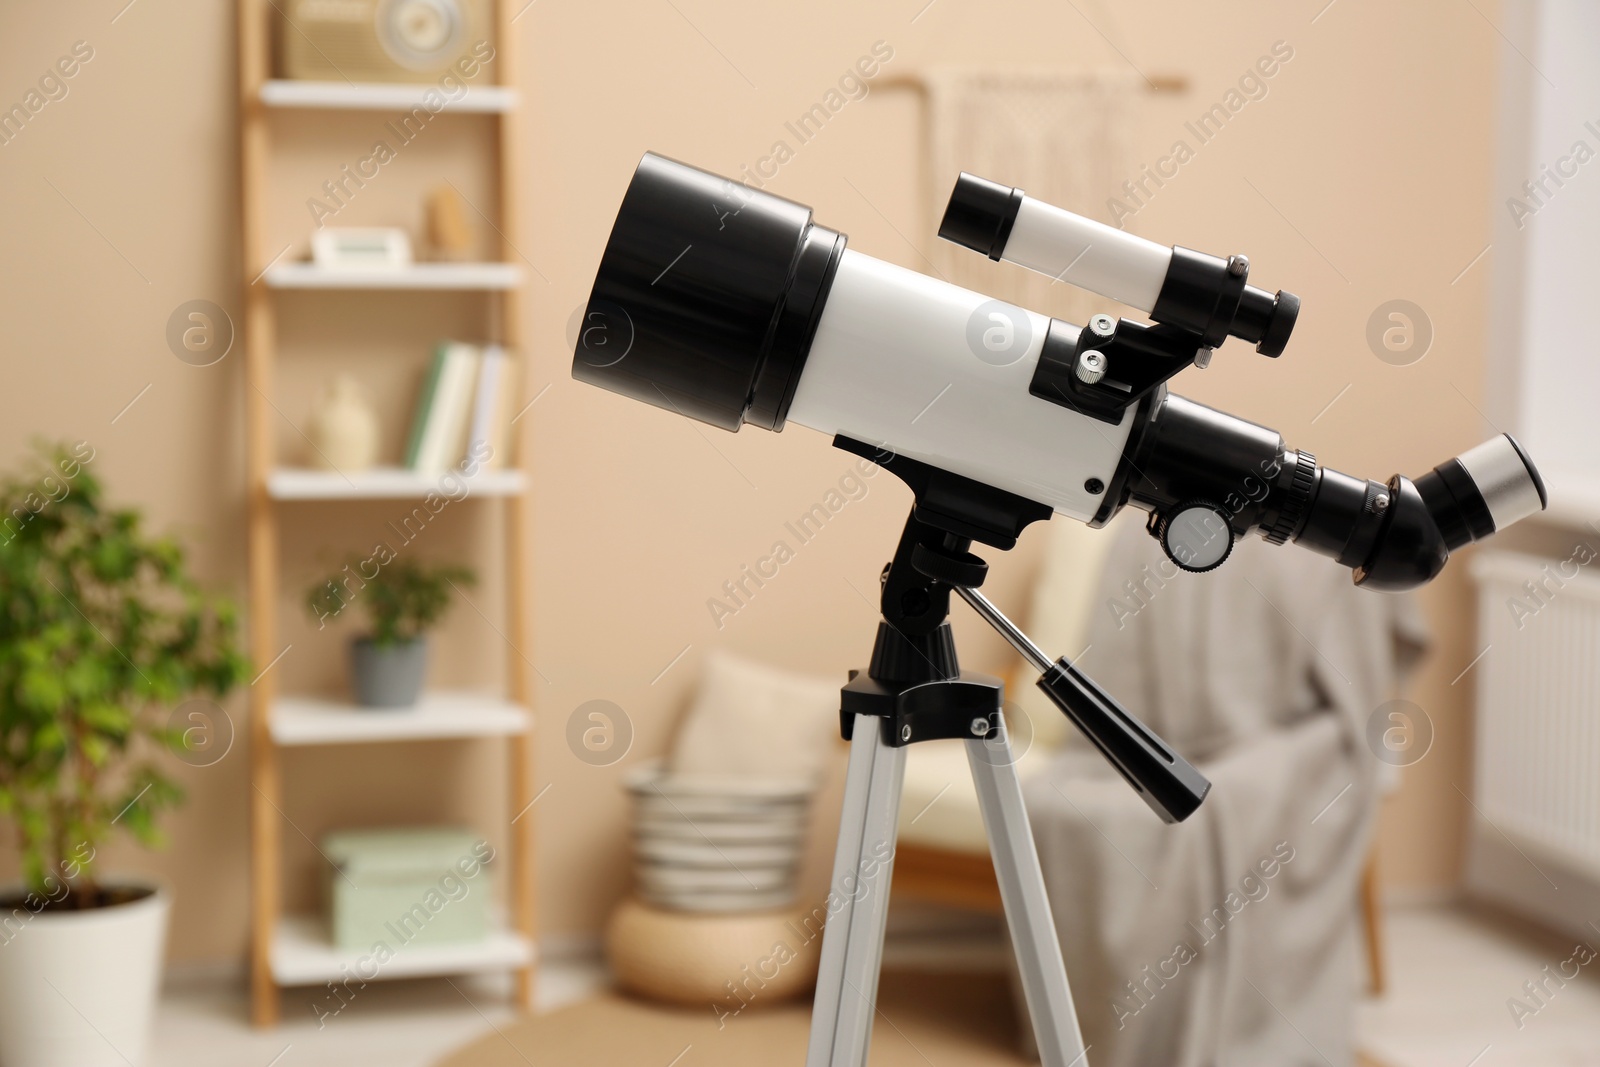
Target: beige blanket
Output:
[{"x": 1227, "y": 939}]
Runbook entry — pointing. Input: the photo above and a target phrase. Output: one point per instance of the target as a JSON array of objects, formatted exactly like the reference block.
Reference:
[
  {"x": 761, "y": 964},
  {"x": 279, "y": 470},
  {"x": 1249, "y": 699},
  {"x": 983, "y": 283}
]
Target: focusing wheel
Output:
[
  {"x": 1302, "y": 479},
  {"x": 1195, "y": 535}
]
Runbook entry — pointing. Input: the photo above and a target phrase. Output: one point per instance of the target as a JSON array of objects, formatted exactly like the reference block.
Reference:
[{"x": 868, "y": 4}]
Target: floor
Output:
[
  {"x": 392, "y": 1024},
  {"x": 1451, "y": 975}
]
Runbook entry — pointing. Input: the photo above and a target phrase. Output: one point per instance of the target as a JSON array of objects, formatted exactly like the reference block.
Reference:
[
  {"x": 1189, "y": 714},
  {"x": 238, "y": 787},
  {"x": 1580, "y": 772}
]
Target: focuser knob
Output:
[{"x": 1195, "y": 535}]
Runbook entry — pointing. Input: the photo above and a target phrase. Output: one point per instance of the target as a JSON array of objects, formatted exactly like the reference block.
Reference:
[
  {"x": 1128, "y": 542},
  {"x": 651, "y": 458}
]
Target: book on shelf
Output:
[
  {"x": 495, "y": 410},
  {"x": 464, "y": 408}
]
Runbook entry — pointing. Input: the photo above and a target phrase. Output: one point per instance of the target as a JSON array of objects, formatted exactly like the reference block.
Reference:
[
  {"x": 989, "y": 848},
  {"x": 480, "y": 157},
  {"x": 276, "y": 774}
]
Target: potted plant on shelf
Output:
[
  {"x": 402, "y": 599},
  {"x": 102, "y": 634}
]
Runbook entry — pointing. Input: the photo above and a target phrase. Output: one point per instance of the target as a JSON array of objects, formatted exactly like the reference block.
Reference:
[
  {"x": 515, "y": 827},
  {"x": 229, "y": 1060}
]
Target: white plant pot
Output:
[{"x": 77, "y": 989}]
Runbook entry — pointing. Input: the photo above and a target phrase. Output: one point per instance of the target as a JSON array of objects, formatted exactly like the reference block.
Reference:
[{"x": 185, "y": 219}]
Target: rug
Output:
[{"x": 938, "y": 1019}]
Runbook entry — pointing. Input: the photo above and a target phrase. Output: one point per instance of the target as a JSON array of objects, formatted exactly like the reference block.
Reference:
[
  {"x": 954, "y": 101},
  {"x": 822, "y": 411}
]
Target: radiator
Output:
[{"x": 1535, "y": 840}]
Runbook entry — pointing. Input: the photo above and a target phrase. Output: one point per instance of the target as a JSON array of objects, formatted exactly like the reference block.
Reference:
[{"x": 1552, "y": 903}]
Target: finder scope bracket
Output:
[{"x": 1137, "y": 357}]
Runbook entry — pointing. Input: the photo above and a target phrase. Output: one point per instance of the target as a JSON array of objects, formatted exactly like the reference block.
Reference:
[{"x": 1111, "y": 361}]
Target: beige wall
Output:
[{"x": 1373, "y": 148}]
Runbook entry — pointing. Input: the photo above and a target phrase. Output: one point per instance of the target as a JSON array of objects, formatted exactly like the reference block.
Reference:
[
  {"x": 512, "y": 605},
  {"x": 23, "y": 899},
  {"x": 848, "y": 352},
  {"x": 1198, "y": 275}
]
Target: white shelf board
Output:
[
  {"x": 471, "y": 276},
  {"x": 302, "y": 954},
  {"x": 327, "y": 721},
  {"x": 381, "y": 96},
  {"x": 382, "y": 483}
]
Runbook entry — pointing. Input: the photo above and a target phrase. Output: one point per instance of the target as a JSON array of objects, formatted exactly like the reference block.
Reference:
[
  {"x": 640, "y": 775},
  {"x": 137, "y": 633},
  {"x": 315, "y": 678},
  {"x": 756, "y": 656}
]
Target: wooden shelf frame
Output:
[{"x": 259, "y": 97}]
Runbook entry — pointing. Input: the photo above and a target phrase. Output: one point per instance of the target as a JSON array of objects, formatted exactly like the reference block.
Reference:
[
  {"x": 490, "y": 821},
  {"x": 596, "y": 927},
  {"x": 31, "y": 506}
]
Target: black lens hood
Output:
[{"x": 707, "y": 297}]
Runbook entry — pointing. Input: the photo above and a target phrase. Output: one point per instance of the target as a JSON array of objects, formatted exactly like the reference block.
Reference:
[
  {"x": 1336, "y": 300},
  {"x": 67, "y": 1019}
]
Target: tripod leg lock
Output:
[{"x": 964, "y": 707}]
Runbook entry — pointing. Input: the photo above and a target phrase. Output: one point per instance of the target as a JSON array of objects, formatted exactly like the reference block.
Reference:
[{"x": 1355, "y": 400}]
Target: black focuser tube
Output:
[
  {"x": 1188, "y": 453},
  {"x": 1206, "y": 476},
  {"x": 1168, "y": 783}
]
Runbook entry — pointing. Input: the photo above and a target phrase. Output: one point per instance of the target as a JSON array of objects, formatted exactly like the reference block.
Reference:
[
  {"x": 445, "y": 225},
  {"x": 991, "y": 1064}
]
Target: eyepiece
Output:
[
  {"x": 980, "y": 215},
  {"x": 1505, "y": 478},
  {"x": 1266, "y": 319},
  {"x": 1398, "y": 535}
]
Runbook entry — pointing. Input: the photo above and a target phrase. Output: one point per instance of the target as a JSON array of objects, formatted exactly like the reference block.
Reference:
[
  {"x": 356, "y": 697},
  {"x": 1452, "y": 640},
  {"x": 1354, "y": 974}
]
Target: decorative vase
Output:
[
  {"x": 78, "y": 988},
  {"x": 449, "y": 232},
  {"x": 388, "y": 676},
  {"x": 343, "y": 429}
]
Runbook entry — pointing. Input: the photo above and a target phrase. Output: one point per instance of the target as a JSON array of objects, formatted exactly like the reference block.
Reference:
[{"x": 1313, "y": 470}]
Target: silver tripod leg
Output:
[
  {"x": 858, "y": 900},
  {"x": 1033, "y": 932},
  {"x": 858, "y": 903}
]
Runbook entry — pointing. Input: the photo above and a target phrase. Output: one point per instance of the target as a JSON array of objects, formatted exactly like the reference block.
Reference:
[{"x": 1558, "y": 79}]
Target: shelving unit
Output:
[{"x": 295, "y": 950}]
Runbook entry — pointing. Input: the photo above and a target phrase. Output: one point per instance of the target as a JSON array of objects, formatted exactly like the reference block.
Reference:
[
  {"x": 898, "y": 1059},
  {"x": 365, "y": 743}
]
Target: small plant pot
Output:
[
  {"x": 78, "y": 988},
  {"x": 388, "y": 676}
]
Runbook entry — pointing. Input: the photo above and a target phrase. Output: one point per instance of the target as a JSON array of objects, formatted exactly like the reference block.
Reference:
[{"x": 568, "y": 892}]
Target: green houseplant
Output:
[
  {"x": 102, "y": 633},
  {"x": 402, "y": 600}
]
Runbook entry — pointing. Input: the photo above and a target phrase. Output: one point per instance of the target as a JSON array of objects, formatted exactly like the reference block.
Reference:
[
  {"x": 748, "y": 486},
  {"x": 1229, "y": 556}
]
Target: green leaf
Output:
[
  {"x": 50, "y": 739},
  {"x": 107, "y": 718},
  {"x": 95, "y": 749}
]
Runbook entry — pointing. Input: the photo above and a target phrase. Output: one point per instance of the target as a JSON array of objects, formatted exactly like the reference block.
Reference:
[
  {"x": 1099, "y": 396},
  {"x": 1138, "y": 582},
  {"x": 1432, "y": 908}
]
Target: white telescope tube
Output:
[{"x": 904, "y": 362}]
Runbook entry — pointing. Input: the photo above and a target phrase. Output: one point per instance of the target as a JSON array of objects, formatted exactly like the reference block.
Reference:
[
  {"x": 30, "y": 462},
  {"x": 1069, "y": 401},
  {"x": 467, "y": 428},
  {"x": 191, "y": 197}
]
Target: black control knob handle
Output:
[{"x": 1165, "y": 780}]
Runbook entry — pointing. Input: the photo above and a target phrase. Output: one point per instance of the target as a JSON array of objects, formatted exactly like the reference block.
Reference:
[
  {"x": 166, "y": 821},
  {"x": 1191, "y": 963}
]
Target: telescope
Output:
[{"x": 732, "y": 306}]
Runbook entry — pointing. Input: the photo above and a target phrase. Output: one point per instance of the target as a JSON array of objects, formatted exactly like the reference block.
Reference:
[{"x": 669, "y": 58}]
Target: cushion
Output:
[
  {"x": 752, "y": 720},
  {"x": 1058, "y": 617},
  {"x": 939, "y": 802}
]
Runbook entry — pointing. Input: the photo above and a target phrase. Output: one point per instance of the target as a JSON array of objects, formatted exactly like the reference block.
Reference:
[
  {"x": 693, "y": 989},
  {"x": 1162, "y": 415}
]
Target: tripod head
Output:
[{"x": 915, "y": 683}]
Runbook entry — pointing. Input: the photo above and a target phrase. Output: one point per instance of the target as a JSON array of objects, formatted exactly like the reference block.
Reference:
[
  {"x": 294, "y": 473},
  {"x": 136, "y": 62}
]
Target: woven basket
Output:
[{"x": 731, "y": 962}]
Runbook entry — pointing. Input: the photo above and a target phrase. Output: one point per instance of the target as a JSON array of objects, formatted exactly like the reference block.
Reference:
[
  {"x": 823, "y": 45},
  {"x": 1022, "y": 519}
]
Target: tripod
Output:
[{"x": 915, "y": 691}]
